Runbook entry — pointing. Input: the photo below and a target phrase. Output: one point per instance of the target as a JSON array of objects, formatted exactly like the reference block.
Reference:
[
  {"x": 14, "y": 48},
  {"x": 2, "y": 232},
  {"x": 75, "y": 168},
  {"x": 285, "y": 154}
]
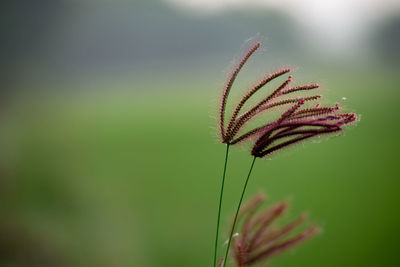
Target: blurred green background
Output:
[{"x": 109, "y": 150}]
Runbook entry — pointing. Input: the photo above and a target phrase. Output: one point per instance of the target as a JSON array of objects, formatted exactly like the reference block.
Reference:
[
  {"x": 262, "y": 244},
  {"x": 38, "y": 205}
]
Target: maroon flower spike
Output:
[
  {"x": 259, "y": 237},
  {"x": 230, "y": 134},
  {"x": 297, "y": 125}
]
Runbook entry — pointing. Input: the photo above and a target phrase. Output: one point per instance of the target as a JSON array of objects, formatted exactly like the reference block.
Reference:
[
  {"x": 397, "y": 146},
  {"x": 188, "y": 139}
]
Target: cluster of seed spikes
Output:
[
  {"x": 258, "y": 241},
  {"x": 259, "y": 238},
  {"x": 293, "y": 126}
]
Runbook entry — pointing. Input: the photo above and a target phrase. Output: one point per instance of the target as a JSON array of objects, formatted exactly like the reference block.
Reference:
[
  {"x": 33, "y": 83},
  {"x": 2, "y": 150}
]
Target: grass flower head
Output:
[{"x": 260, "y": 237}]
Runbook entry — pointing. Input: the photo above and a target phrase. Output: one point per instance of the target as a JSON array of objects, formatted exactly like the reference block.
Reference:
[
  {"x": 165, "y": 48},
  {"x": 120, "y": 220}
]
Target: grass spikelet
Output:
[
  {"x": 229, "y": 84},
  {"x": 289, "y": 101},
  {"x": 300, "y": 88}
]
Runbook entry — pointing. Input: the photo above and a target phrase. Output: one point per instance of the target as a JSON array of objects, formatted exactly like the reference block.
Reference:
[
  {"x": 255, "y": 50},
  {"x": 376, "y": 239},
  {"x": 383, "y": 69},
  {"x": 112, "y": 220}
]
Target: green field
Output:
[{"x": 131, "y": 179}]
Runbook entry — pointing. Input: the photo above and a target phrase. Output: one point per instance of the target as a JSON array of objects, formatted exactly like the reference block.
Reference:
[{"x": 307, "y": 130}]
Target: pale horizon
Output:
[{"x": 336, "y": 24}]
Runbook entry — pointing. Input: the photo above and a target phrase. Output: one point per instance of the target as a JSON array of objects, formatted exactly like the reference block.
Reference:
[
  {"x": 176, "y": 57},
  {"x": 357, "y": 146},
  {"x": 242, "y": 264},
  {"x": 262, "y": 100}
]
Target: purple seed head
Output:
[
  {"x": 298, "y": 125},
  {"x": 232, "y": 133},
  {"x": 293, "y": 125},
  {"x": 260, "y": 238}
]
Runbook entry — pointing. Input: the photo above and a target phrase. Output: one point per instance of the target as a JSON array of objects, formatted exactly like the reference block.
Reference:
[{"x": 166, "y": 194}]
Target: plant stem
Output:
[
  {"x": 220, "y": 204},
  {"x": 237, "y": 211}
]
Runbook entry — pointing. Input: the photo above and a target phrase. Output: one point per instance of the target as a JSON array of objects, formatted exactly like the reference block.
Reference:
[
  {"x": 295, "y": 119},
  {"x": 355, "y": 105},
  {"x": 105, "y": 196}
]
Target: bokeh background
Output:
[{"x": 109, "y": 152}]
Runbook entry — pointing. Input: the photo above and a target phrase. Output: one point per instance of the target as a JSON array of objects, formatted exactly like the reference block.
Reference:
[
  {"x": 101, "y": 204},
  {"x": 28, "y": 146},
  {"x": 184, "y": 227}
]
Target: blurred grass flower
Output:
[{"x": 260, "y": 237}]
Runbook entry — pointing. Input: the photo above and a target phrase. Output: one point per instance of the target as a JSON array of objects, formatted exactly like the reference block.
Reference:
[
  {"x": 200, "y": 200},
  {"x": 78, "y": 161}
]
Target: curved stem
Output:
[
  {"x": 220, "y": 204},
  {"x": 237, "y": 211}
]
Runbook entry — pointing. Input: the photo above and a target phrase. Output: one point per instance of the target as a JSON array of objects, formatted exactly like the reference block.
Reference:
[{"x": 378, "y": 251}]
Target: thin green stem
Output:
[
  {"x": 220, "y": 204},
  {"x": 237, "y": 211}
]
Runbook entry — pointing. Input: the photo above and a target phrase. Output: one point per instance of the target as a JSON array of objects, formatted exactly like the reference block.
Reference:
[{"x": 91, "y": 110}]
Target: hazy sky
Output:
[{"x": 335, "y": 23}]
